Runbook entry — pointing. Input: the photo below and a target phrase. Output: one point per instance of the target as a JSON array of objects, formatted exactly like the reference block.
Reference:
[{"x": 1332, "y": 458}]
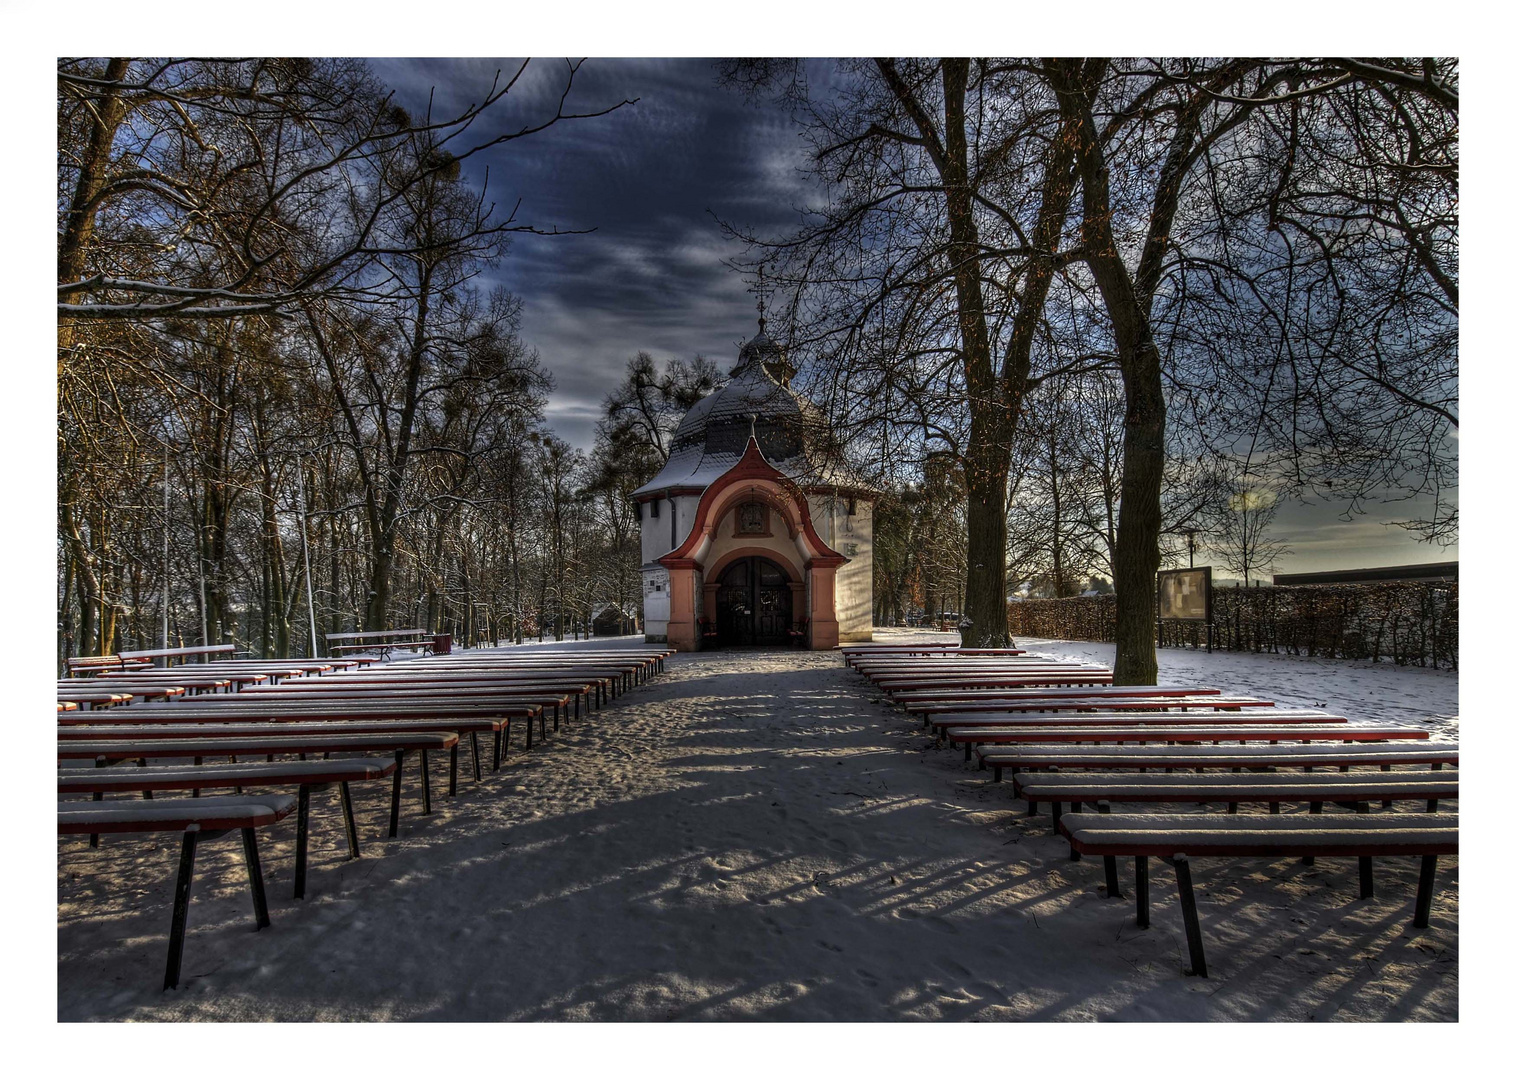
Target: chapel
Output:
[{"x": 755, "y": 532}]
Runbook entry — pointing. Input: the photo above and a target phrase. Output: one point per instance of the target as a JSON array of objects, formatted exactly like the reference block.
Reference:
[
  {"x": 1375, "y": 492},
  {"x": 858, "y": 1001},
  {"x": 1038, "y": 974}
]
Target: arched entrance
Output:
[{"x": 753, "y": 603}]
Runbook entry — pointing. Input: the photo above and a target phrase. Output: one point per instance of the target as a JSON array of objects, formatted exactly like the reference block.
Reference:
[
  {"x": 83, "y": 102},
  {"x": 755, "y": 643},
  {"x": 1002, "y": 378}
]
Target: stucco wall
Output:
[{"x": 852, "y": 536}]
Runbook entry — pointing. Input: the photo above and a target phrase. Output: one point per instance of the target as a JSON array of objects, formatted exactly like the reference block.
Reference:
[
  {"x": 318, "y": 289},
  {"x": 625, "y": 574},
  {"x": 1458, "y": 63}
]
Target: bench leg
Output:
[
  {"x": 181, "y": 907},
  {"x": 1310, "y": 860},
  {"x": 1191, "y": 916},
  {"x": 395, "y": 795},
  {"x": 1424, "y": 889},
  {"x": 347, "y": 820},
  {"x": 473, "y": 737},
  {"x": 255, "y": 876},
  {"x": 452, "y": 772},
  {"x": 1140, "y": 873},
  {"x": 1112, "y": 880},
  {"x": 426, "y": 782},
  {"x": 302, "y": 838},
  {"x": 500, "y": 738},
  {"x": 1365, "y": 877},
  {"x": 99, "y": 796},
  {"x": 529, "y": 731}
]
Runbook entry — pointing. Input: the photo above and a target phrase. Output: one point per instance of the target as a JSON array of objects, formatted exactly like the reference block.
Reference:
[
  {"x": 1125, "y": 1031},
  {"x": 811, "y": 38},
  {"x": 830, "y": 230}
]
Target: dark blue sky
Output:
[
  {"x": 648, "y": 178},
  {"x": 651, "y": 179}
]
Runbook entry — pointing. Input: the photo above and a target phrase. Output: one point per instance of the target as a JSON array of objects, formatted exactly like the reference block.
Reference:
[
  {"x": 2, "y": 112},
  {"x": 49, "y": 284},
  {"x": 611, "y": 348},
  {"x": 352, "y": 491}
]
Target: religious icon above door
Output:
[{"x": 753, "y": 519}]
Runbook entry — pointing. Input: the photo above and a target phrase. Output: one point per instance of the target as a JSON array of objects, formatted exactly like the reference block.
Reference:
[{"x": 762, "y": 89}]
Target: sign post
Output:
[{"x": 1185, "y": 596}]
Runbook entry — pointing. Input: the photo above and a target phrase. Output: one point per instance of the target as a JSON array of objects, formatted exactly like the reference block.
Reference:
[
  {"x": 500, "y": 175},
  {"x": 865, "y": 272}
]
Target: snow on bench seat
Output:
[
  {"x": 171, "y": 815},
  {"x": 1349, "y": 787},
  {"x": 247, "y": 773},
  {"x": 1230, "y": 717},
  {"x": 306, "y": 775},
  {"x": 978, "y": 735},
  {"x": 1182, "y": 837},
  {"x": 399, "y": 743},
  {"x": 1087, "y": 704},
  {"x": 1318, "y": 755},
  {"x": 198, "y": 819}
]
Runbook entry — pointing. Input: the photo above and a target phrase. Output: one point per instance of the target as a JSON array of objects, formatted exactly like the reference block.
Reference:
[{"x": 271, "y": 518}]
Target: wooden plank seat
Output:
[
  {"x": 168, "y": 656},
  {"x": 471, "y": 723},
  {"x": 465, "y": 721},
  {"x": 112, "y": 694},
  {"x": 381, "y": 642},
  {"x": 626, "y": 673},
  {"x": 1020, "y": 759},
  {"x": 897, "y": 687},
  {"x": 440, "y": 702},
  {"x": 87, "y": 666},
  {"x": 999, "y": 671},
  {"x": 852, "y": 653},
  {"x": 198, "y": 820},
  {"x": 68, "y": 706},
  {"x": 96, "y": 699},
  {"x": 1231, "y": 717},
  {"x": 146, "y": 683},
  {"x": 1243, "y": 734},
  {"x": 398, "y": 743},
  {"x": 1211, "y": 704},
  {"x": 241, "y": 670},
  {"x": 1178, "y": 838},
  {"x": 1350, "y": 789},
  {"x": 653, "y": 660},
  {"x": 578, "y": 684},
  {"x": 307, "y": 776},
  {"x": 882, "y": 670},
  {"x": 1095, "y": 692}
]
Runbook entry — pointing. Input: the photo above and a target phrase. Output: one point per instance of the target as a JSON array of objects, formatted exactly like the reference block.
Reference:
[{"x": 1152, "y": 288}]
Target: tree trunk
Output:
[{"x": 1137, "y": 555}]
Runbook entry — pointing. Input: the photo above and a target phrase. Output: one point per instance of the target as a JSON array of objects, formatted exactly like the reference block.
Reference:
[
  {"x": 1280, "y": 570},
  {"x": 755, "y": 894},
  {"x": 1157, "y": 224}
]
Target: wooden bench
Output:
[
  {"x": 1213, "y": 704},
  {"x": 398, "y": 743},
  {"x": 198, "y": 820},
  {"x": 1054, "y": 693},
  {"x": 1317, "y": 755},
  {"x": 307, "y": 776},
  {"x": 1345, "y": 789},
  {"x": 580, "y": 684},
  {"x": 1178, "y": 838},
  {"x": 1242, "y": 734},
  {"x": 412, "y": 713},
  {"x": 168, "y": 656},
  {"x": 382, "y": 642},
  {"x": 96, "y": 665},
  {"x": 440, "y": 701},
  {"x": 1230, "y": 717},
  {"x": 148, "y": 683}
]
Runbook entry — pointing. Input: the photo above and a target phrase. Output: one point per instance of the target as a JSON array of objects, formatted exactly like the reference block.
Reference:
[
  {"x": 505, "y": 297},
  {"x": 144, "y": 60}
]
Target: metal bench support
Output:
[
  {"x": 1191, "y": 916},
  {"x": 181, "y": 907}
]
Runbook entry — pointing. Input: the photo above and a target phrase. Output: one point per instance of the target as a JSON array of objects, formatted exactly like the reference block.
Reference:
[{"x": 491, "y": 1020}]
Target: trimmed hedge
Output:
[{"x": 1409, "y": 622}]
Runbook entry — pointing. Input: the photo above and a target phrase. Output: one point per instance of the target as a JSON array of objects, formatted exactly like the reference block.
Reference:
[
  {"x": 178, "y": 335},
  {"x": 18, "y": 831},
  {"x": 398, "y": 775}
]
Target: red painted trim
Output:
[{"x": 752, "y": 466}]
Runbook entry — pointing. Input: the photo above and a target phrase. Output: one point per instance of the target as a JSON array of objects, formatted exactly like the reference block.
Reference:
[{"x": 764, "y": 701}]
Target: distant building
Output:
[
  {"x": 1439, "y": 571},
  {"x": 754, "y": 533}
]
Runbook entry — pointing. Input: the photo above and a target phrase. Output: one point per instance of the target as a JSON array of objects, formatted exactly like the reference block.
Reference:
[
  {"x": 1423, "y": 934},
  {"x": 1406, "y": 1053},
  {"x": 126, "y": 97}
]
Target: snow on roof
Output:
[{"x": 713, "y": 434}]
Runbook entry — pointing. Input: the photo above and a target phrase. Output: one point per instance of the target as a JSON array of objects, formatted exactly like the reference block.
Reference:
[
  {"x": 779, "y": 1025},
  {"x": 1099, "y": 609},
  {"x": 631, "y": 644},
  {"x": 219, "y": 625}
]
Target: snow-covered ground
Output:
[{"x": 756, "y": 835}]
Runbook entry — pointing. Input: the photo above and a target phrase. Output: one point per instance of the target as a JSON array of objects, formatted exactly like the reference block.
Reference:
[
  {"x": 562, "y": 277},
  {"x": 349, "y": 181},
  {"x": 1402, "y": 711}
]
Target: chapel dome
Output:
[{"x": 757, "y": 402}]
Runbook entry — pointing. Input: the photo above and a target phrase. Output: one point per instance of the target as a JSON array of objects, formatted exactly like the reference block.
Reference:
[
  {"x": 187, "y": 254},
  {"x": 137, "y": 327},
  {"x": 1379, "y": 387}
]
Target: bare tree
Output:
[{"x": 1241, "y": 540}]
